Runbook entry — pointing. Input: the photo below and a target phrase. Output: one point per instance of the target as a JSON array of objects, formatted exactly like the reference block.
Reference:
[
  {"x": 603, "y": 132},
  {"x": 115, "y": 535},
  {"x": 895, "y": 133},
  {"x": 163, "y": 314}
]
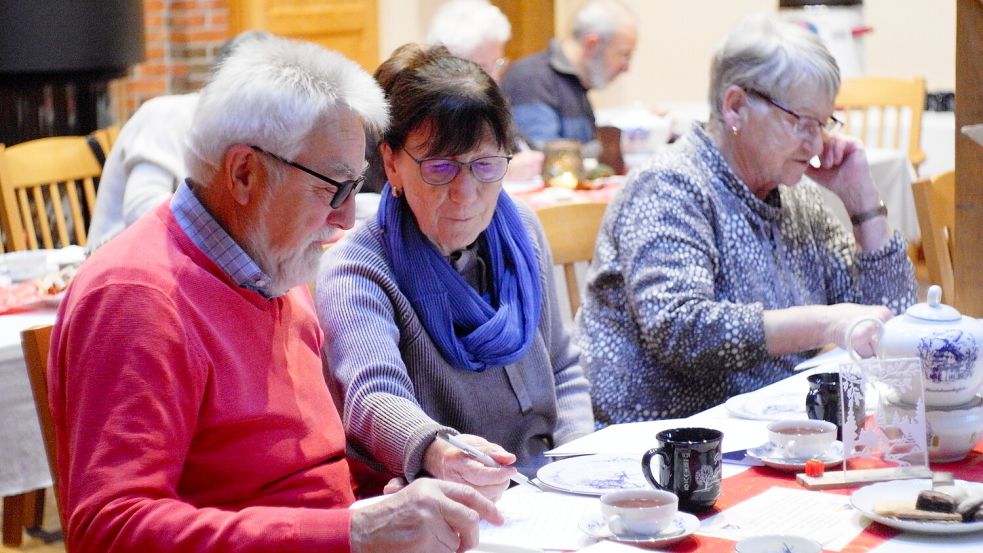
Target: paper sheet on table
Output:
[
  {"x": 540, "y": 519},
  {"x": 825, "y": 517},
  {"x": 636, "y": 438},
  {"x": 832, "y": 357}
]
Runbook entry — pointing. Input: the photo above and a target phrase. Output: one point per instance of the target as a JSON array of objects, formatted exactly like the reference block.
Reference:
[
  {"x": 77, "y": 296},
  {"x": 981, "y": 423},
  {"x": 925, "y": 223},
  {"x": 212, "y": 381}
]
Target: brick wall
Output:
[{"x": 182, "y": 38}]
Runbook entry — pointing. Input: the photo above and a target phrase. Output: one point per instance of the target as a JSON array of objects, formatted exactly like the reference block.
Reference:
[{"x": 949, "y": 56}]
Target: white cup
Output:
[
  {"x": 638, "y": 512},
  {"x": 802, "y": 439}
]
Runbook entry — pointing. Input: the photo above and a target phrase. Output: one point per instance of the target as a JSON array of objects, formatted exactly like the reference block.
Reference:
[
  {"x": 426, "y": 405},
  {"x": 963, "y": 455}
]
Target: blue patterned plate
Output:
[{"x": 594, "y": 474}]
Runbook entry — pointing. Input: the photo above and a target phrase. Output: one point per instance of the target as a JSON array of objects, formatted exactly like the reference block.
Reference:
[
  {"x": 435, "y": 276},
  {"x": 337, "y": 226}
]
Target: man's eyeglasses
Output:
[
  {"x": 439, "y": 171},
  {"x": 343, "y": 189},
  {"x": 803, "y": 123}
]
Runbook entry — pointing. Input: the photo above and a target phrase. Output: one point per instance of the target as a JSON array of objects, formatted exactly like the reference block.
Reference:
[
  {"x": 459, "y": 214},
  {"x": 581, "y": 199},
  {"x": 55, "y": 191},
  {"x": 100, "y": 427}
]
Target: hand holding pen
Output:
[{"x": 447, "y": 461}]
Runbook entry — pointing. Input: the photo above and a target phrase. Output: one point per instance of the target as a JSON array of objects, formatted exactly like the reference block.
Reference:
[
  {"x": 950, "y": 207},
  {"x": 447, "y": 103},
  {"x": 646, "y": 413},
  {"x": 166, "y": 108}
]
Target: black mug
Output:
[
  {"x": 825, "y": 397},
  {"x": 689, "y": 466}
]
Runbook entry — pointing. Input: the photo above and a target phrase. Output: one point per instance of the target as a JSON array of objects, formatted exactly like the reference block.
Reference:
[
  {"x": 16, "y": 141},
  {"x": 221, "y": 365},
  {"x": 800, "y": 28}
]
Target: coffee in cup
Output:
[
  {"x": 802, "y": 439},
  {"x": 638, "y": 512},
  {"x": 689, "y": 466}
]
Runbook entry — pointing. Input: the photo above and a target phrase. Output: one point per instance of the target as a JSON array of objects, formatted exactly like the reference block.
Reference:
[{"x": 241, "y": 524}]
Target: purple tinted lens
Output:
[
  {"x": 489, "y": 169},
  {"x": 439, "y": 171}
]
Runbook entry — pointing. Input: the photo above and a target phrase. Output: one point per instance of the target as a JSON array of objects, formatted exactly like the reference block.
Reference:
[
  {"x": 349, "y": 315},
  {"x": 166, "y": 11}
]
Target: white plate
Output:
[
  {"x": 907, "y": 490},
  {"x": 775, "y": 458},
  {"x": 594, "y": 474},
  {"x": 513, "y": 186},
  {"x": 762, "y": 406},
  {"x": 682, "y": 525}
]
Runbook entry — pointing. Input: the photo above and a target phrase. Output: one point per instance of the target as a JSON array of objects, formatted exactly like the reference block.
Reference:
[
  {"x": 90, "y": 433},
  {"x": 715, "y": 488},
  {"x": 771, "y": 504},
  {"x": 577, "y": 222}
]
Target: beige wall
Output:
[{"x": 677, "y": 39}]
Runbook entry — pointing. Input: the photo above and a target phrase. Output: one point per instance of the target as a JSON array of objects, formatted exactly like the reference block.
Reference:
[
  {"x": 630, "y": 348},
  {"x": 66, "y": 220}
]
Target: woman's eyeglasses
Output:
[
  {"x": 803, "y": 123},
  {"x": 343, "y": 189},
  {"x": 439, "y": 171}
]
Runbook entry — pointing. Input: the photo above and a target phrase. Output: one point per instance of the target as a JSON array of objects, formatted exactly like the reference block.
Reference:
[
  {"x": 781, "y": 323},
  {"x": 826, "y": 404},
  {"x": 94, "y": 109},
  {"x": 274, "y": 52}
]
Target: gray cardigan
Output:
[
  {"x": 687, "y": 259},
  {"x": 394, "y": 389}
]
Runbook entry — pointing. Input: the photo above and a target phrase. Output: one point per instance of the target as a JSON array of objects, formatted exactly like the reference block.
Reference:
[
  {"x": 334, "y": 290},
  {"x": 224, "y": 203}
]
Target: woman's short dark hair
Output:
[{"x": 453, "y": 96}]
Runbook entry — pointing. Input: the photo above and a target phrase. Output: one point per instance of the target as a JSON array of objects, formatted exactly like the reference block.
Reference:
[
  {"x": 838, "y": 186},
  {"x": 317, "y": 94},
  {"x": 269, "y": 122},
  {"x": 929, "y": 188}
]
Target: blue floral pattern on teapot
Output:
[{"x": 948, "y": 356}]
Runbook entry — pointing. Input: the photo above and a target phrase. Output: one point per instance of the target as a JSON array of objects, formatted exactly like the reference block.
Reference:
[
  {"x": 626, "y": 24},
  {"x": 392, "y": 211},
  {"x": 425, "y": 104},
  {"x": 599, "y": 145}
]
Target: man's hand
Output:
[
  {"x": 426, "y": 516},
  {"x": 447, "y": 462}
]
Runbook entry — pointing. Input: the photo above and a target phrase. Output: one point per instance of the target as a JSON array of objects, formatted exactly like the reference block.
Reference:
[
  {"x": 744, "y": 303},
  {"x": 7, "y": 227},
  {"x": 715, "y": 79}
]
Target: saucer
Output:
[
  {"x": 776, "y": 458},
  {"x": 682, "y": 525}
]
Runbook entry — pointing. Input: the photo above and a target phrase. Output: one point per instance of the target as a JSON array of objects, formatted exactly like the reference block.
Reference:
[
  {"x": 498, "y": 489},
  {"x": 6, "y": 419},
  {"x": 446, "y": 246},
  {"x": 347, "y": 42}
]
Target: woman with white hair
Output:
[
  {"x": 717, "y": 267},
  {"x": 474, "y": 30},
  {"x": 477, "y": 31}
]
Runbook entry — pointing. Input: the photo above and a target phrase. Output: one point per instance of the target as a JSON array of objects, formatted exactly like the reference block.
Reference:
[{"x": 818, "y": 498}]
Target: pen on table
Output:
[{"x": 482, "y": 457}]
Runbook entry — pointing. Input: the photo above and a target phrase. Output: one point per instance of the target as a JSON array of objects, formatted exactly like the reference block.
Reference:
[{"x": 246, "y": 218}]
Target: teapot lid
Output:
[{"x": 933, "y": 309}]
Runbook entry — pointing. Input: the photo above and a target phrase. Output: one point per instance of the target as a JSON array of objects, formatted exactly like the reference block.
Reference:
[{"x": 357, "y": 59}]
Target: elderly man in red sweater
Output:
[{"x": 185, "y": 380}]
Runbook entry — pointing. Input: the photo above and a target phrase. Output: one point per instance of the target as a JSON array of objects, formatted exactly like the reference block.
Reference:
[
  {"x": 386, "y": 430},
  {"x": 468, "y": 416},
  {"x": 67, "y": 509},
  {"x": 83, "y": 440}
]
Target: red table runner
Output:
[{"x": 756, "y": 480}]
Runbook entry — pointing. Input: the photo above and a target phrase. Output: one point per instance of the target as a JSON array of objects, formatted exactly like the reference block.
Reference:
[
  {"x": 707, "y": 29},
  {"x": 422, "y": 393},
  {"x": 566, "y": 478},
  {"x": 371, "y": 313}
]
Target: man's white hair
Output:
[
  {"x": 462, "y": 26},
  {"x": 603, "y": 18},
  {"x": 271, "y": 93}
]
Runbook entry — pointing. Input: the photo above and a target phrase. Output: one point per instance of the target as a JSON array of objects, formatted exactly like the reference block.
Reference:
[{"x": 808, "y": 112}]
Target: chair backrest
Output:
[
  {"x": 36, "y": 341},
  {"x": 45, "y": 183},
  {"x": 871, "y": 105},
  {"x": 571, "y": 230},
  {"x": 935, "y": 203}
]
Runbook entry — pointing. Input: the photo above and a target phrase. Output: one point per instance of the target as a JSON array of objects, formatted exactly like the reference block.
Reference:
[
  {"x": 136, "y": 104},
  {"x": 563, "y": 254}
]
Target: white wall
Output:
[{"x": 677, "y": 39}]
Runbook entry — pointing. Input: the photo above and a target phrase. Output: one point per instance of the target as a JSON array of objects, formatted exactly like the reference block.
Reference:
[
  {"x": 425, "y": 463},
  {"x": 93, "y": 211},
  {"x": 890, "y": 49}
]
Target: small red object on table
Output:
[{"x": 815, "y": 467}]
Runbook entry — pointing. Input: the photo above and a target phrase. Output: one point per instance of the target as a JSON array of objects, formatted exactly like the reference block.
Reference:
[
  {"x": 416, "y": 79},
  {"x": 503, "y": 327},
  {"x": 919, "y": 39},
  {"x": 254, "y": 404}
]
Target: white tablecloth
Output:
[
  {"x": 637, "y": 437},
  {"x": 23, "y": 465}
]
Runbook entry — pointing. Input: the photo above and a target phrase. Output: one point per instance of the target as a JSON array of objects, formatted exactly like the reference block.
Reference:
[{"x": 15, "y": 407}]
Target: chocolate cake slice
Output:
[{"x": 936, "y": 502}]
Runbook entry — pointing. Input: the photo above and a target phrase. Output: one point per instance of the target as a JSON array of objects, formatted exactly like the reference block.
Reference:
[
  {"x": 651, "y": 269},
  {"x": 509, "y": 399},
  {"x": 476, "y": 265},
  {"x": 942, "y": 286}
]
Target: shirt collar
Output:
[
  {"x": 215, "y": 242},
  {"x": 559, "y": 61}
]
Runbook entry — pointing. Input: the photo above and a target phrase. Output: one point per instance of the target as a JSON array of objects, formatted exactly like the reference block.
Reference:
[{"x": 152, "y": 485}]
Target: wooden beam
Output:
[{"x": 968, "y": 269}]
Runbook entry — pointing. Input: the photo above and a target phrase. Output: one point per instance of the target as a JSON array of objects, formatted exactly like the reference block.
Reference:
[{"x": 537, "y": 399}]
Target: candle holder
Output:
[{"x": 563, "y": 166}]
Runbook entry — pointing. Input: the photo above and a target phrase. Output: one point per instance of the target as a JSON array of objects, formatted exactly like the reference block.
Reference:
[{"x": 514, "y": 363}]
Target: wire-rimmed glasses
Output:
[
  {"x": 803, "y": 123},
  {"x": 437, "y": 171}
]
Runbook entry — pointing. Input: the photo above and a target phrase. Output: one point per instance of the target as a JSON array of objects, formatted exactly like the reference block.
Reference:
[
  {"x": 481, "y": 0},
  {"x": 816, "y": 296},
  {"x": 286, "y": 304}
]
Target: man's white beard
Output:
[
  {"x": 286, "y": 269},
  {"x": 597, "y": 74}
]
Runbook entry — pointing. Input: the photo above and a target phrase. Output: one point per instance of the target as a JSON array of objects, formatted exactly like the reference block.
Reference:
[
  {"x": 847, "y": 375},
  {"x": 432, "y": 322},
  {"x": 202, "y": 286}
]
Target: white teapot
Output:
[{"x": 947, "y": 343}]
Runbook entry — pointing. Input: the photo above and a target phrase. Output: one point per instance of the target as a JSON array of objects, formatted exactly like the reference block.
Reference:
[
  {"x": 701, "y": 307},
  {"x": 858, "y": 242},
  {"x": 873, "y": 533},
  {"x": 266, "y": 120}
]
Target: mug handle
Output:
[
  {"x": 848, "y": 339},
  {"x": 647, "y": 469}
]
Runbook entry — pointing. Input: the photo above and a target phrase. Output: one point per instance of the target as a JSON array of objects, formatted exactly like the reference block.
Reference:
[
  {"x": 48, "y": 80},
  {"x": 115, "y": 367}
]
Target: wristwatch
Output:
[{"x": 860, "y": 218}]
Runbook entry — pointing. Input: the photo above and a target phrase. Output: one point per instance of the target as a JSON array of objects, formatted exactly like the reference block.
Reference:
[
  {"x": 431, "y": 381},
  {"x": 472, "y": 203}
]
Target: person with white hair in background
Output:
[
  {"x": 188, "y": 399},
  {"x": 548, "y": 90},
  {"x": 478, "y": 31},
  {"x": 146, "y": 162}
]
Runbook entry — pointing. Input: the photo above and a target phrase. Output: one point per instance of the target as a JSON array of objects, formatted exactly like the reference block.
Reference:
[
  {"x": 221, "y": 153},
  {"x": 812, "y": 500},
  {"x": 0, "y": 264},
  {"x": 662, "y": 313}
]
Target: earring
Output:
[
  {"x": 396, "y": 192},
  {"x": 734, "y": 130}
]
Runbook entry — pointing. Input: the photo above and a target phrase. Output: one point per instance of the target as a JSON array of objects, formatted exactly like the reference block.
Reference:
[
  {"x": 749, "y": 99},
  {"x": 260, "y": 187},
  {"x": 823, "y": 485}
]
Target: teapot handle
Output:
[{"x": 878, "y": 351}]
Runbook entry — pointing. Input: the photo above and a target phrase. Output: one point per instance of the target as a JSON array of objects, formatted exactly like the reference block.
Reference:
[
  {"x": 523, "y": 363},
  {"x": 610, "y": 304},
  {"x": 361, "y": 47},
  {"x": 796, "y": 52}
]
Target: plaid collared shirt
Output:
[{"x": 212, "y": 239}]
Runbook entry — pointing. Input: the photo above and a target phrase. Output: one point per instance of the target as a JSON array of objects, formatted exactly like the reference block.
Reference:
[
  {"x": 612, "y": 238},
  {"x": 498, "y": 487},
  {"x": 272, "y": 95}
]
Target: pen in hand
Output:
[{"x": 482, "y": 457}]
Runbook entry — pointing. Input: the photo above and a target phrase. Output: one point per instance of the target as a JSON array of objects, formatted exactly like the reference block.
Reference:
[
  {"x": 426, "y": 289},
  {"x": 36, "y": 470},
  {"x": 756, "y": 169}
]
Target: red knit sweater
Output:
[{"x": 191, "y": 414}]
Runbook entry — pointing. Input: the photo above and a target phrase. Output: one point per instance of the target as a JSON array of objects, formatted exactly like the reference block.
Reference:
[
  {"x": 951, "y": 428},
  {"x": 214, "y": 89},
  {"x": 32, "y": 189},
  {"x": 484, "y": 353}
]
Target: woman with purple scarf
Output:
[{"x": 441, "y": 314}]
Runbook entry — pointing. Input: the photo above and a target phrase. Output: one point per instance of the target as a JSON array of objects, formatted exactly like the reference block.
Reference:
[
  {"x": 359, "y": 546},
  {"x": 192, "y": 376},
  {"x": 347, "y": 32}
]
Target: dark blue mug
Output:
[{"x": 689, "y": 466}]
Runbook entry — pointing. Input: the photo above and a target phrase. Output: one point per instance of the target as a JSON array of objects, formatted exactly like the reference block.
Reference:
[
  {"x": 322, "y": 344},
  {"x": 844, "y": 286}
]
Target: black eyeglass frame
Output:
[
  {"x": 460, "y": 165},
  {"x": 830, "y": 126},
  {"x": 343, "y": 189}
]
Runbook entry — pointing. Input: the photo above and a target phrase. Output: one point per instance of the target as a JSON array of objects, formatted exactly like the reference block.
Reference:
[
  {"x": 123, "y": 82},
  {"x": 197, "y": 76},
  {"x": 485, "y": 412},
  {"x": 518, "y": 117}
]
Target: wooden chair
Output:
[
  {"x": 26, "y": 510},
  {"x": 571, "y": 230},
  {"x": 935, "y": 203},
  {"x": 105, "y": 137},
  {"x": 40, "y": 181},
  {"x": 858, "y": 98}
]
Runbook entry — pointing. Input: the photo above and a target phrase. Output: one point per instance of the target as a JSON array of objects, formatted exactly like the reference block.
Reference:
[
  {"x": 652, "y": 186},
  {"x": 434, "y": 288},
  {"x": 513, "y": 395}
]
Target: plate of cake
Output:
[{"x": 919, "y": 505}]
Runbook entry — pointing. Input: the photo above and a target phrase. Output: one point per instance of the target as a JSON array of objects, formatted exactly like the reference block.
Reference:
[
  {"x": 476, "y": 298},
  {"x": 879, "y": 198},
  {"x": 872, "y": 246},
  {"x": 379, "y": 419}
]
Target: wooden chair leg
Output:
[
  {"x": 34, "y": 509},
  {"x": 13, "y": 519}
]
